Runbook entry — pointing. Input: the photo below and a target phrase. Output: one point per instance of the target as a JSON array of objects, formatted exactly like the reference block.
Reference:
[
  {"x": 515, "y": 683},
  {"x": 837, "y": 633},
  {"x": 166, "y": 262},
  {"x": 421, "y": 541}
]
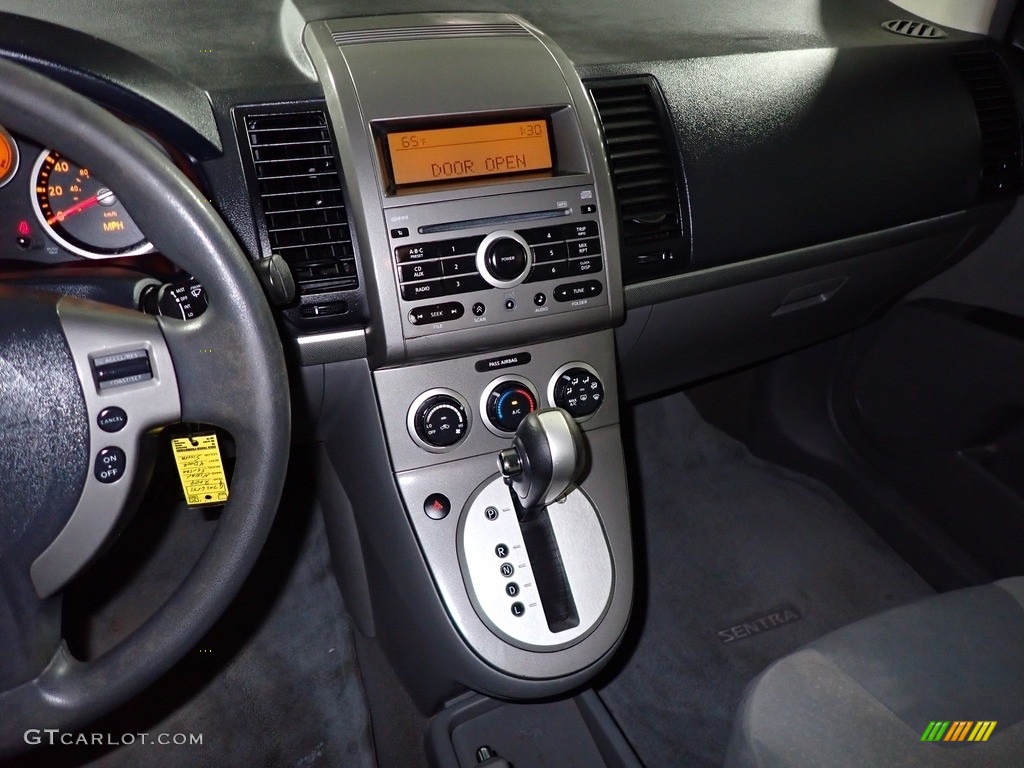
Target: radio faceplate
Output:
[{"x": 450, "y": 277}]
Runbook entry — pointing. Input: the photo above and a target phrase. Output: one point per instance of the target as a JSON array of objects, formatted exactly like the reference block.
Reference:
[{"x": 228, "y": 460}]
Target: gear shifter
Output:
[{"x": 547, "y": 458}]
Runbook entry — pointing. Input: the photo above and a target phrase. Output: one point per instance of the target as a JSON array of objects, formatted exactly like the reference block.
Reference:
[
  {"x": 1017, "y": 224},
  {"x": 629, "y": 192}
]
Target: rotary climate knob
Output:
[
  {"x": 508, "y": 404},
  {"x": 504, "y": 259},
  {"x": 579, "y": 391},
  {"x": 441, "y": 421}
]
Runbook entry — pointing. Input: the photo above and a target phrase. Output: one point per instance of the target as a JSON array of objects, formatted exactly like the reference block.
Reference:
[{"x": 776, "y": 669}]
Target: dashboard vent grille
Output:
[
  {"x": 299, "y": 185},
  {"x": 646, "y": 174},
  {"x": 428, "y": 32},
  {"x": 998, "y": 123},
  {"x": 913, "y": 29}
]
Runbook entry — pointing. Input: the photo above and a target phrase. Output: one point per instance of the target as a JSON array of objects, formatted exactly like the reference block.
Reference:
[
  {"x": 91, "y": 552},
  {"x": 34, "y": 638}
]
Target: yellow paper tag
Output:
[{"x": 200, "y": 469}]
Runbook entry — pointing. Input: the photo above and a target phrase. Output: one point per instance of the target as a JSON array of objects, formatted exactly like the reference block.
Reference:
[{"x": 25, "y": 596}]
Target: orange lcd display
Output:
[{"x": 448, "y": 154}]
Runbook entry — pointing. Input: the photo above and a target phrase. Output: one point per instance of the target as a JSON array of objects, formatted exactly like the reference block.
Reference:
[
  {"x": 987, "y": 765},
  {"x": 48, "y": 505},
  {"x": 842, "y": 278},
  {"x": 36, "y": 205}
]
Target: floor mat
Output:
[
  {"x": 274, "y": 683},
  {"x": 740, "y": 563}
]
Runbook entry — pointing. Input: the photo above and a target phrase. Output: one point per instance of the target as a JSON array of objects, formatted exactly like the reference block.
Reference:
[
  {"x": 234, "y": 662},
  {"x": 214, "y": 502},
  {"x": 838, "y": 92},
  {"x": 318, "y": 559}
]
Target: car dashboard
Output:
[{"x": 483, "y": 213}]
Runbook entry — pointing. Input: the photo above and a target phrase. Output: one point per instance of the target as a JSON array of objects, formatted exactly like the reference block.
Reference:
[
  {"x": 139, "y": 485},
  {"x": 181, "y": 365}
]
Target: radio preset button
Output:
[
  {"x": 538, "y": 235},
  {"x": 464, "y": 284},
  {"x": 461, "y": 247},
  {"x": 461, "y": 265},
  {"x": 573, "y": 291},
  {"x": 550, "y": 271},
  {"x": 549, "y": 252},
  {"x": 427, "y": 290}
]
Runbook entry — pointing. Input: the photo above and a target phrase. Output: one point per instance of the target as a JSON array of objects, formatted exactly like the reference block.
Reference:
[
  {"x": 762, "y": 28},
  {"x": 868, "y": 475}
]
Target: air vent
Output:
[
  {"x": 434, "y": 32},
  {"x": 998, "y": 123},
  {"x": 917, "y": 29},
  {"x": 299, "y": 186},
  {"x": 646, "y": 175}
]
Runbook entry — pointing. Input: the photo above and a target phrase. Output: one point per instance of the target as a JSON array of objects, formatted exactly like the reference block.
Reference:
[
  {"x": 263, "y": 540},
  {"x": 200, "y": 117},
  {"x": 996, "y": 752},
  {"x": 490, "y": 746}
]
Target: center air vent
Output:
[
  {"x": 431, "y": 32},
  {"x": 299, "y": 186},
  {"x": 645, "y": 169},
  {"x": 917, "y": 29}
]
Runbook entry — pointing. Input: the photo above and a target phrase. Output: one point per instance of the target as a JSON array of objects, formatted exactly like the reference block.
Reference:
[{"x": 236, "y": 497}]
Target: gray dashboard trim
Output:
[{"x": 728, "y": 275}]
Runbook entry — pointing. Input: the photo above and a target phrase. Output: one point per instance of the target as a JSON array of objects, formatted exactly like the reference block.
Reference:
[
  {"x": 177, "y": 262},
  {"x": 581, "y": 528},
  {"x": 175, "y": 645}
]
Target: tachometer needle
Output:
[{"x": 89, "y": 202}]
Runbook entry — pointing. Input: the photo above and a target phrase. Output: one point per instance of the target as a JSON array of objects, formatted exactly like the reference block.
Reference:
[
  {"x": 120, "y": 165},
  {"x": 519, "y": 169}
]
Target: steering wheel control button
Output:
[
  {"x": 436, "y": 313},
  {"x": 508, "y": 403},
  {"x": 501, "y": 551},
  {"x": 577, "y": 291},
  {"x": 441, "y": 421},
  {"x": 507, "y": 569},
  {"x": 437, "y": 506},
  {"x": 122, "y": 369},
  {"x": 504, "y": 259},
  {"x": 518, "y": 609},
  {"x": 110, "y": 465},
  {"x": 491, "y": 513},
  {"x": 579, "y": 391},
  {"x": 112, "y": 419},
  {"x": 512, "y": 589}
]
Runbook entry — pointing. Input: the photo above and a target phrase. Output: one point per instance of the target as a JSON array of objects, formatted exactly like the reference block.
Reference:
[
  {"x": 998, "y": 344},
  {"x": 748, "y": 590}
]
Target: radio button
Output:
[
  {"x": 436, "y": 313},
  {"x": 579, "y": 229},
  {"x": 464, "y": 284},
  {"x": 461, "y": 265},
  {"x": 585, "y": 266},
  {"x": 539, "y": 235},
  {"x": 407, "y": 253},
  {"x": 549, "y": 271},
  {"x": 589, "y": 247},
  {"x": 420, "y": 271},
  {"x": 574, "y": 291},
  {"x": 428, "y": 290},
  {"x": 549, "y": 252}
]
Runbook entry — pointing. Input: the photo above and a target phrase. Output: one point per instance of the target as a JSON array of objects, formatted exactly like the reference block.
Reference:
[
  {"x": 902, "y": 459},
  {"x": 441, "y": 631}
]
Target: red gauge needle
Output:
[{"x": 102, "y": 196}]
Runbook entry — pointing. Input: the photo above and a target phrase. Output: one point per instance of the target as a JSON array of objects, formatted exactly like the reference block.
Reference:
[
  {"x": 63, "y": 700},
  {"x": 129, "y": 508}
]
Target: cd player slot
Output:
[{"x": 492, "y": 221}]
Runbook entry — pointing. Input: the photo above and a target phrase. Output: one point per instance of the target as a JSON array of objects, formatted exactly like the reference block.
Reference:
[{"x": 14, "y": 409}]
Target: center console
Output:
[{"x": 480, "y": 515}]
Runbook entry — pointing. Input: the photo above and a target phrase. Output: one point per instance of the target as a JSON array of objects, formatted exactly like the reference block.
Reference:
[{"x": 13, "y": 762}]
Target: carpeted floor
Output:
[
  {"x": 732, "y": 550},
  {"x": 275, "y": 683}
]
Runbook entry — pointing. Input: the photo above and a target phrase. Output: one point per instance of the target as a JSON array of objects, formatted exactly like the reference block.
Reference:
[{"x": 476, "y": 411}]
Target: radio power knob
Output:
[{"x": 504, "y": 259}]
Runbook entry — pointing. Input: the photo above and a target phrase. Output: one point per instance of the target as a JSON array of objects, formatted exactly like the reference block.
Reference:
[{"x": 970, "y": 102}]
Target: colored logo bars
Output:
[{"x": 958, "y": 730}]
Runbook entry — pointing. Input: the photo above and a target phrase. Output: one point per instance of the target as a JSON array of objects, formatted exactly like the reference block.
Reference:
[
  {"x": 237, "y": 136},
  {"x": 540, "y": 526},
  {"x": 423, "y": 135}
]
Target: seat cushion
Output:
[{"x": 865, "y": 694}]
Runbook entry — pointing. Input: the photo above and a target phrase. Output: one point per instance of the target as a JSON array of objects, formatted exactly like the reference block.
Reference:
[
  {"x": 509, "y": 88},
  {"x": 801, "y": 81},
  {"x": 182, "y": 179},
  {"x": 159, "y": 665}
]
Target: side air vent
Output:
[
  {"x": 299, "y": 187},
  {"x": 998, "y": 122},
  {"x": 647, "y": 177},
  {"x": 438, "y": 31},
  {"x": 917, "y": 29}
]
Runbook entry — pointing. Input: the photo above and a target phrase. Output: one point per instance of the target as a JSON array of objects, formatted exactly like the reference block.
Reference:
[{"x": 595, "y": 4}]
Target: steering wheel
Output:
[{"x": 58, "y": 506}]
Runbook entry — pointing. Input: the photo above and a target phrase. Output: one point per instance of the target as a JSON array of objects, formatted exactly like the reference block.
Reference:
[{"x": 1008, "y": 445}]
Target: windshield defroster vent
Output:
[
  {"x": 299, "y": 186},
  {"x": 646, "y": 175},
  {"x": 918, "y": 29},
  {"x": 998, "y": 123}
]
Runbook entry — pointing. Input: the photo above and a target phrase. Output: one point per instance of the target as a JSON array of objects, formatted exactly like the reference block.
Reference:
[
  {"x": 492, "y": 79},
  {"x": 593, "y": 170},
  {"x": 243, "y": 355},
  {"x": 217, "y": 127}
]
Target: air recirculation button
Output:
[{"x": 441, "y": 421}]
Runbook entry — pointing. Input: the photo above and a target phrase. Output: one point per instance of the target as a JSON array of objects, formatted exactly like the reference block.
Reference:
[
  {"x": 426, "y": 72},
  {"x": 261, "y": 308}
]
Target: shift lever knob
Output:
[{"x": 547, "y": 457}]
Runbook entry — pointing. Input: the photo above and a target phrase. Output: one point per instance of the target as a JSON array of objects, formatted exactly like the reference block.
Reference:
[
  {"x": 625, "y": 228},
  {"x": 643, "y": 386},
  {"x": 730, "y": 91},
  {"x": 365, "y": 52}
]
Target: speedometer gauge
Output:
[{"x": 80, "y": 212}]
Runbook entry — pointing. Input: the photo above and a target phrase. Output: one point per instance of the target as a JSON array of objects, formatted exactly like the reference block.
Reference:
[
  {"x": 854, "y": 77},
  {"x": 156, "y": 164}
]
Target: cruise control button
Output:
[
  {"x": 428, "y": 290},
  {"x": 585, "y": 266},
  {"x": 112, "y": 419},
  {"x": 575, "y": 291},
  {"x": 110, "y": 465}
]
